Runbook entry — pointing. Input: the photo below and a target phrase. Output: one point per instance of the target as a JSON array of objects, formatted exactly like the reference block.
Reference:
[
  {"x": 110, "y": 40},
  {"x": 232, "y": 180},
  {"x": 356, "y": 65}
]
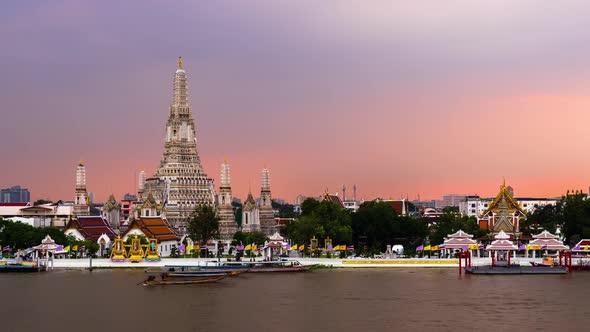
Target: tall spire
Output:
[
  {"x": 180, "y": 86},
  {"x": 180, "y": 183},
  {"x": 81, "y": 203},
  {"x": 265, "y": 179},
  {"x": 225, "y": 178},
  {"x": 267, "y": 222}
]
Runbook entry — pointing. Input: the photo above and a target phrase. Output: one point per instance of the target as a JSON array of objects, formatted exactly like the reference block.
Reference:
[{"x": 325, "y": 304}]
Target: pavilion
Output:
[
  {"x": 274, "y": 246},
  {"x": 458, "y": 241},
  {"x": 545, "y": 241},
  {"x": 500, "y": 249},
  {"x": 582, "y": 247},
  {"x": 47, "y": 245}
]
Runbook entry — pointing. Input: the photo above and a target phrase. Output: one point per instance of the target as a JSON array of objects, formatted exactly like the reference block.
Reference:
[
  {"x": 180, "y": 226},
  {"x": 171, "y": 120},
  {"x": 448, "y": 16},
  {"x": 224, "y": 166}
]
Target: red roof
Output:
[
  {"x": 154, "y": 227},
  {"x": 333, "y": 198},
  {"x": 14, "y": 204},
  {"x": 92, "y": 227},
  {"x": 398, "y": 206}
]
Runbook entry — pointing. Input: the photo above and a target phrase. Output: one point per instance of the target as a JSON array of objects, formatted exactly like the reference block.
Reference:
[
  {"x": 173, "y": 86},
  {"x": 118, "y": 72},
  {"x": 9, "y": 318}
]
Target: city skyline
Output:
[{"x": 397, "y": 99}]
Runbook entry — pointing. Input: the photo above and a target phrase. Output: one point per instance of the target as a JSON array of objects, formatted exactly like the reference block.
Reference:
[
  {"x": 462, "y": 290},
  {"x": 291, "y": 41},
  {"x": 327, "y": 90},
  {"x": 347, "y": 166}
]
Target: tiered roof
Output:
[
  {"x": 458, "y": 240},
  {"x": 92, "y": 227},
  {"x": 502, "y": 242},
  {"x": 548, "y": 241},
  {"x": 154, "y": 227},
  {"x": 504, "y": 200},
  {"x": 47, "y": 244}
]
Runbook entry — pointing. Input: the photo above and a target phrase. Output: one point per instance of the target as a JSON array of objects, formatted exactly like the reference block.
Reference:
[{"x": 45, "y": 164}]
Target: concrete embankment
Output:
[{"x": 330, "y": 262}]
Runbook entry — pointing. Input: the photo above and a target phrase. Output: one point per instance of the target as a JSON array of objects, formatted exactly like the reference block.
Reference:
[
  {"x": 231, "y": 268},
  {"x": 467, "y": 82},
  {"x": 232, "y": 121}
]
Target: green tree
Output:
[
  {"x": 322, "y": 220},
  {"x": 42, "y": 201},
  {"x": 142, "y": 239},
  {"x": 285, "y": 210},
  {"x": 203, "y": 224},
  {"x": 90, "y": 247},
  {"x": 237, "y": 212},
  {"x": 308, "y": 206}
]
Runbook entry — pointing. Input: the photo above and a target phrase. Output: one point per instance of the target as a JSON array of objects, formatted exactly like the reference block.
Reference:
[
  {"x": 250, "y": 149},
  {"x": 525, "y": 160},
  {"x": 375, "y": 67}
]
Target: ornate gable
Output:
[{"x": 504, "y": 203}]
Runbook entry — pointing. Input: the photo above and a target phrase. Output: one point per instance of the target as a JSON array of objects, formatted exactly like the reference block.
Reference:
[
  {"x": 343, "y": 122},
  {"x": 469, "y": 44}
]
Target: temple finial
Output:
[
  {"x": 503, "y": 181},
  {"x": 179, "y": 62}
]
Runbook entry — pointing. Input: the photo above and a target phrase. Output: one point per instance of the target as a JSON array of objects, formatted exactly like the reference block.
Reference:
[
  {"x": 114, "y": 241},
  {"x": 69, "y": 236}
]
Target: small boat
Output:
[
  {"x": 151, "y": 281},
  {"x": 278, "y": 266},
  {"x": 192, "y": 275},
  {"x": 19, "y": 266},
  {"x": 547, "y": 261}
]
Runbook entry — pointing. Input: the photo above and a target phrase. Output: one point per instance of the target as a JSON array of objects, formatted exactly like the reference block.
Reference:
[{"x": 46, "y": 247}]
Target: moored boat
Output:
[
  {"x": 278, "y": 266},
  {"x": 151, "y": 281}
]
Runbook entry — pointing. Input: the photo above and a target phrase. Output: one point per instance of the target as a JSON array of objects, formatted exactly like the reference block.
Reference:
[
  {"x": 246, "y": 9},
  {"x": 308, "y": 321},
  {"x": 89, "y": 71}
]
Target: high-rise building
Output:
[
  {"x": 15, "y": 194},
  {"x": 227, "y": 220},
  {"x": 180, "y": 182},
  {"x": 82, "y": 201},
  {"x": 267, "y": 215}
]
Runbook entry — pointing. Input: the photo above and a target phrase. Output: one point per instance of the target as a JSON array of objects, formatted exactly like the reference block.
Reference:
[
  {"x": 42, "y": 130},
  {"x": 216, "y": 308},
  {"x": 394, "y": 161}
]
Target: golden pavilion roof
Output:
[{"x": 504, "y": 201}]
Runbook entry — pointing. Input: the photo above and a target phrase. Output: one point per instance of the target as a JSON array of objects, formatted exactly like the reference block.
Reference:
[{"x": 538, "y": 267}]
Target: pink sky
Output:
[{"x": 400, "y": 99}]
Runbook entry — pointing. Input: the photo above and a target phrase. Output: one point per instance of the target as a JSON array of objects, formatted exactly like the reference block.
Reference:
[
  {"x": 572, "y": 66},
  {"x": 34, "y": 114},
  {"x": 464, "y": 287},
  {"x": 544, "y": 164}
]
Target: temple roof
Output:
[
  {"x": 92, "y": 227},
  {"x": 545, "y": 235},
  {"x": 548, "y": 244},
  {"x": 457, "y": 243},
  {"x": 250, "y": 203},
  {"x": 332, "y": 198},
  {"x": 154, "y": 227},
  {"x": 502, "y": 245},
  {"x": 111, "y": 204},
  {"x": 504, "y": 201},
  {"x": 460, "y": 234}
]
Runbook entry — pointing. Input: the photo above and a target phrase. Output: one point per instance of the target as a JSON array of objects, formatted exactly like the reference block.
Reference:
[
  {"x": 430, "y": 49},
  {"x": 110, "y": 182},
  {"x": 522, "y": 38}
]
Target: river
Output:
[{"x": 323, "y": 300}]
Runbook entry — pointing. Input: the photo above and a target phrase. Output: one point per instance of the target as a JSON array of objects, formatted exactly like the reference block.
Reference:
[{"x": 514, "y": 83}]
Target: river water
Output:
[{"x": 323, "y": 300}]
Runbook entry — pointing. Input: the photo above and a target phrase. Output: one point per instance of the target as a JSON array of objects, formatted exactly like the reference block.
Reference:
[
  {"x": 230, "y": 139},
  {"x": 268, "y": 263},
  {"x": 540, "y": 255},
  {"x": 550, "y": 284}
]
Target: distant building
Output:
[
  {"x": 54, "y": 214},
  {"x": 424, "y": 204},
  {"x": 450, "y": 200},
  {"x": 15, "y": 194}
]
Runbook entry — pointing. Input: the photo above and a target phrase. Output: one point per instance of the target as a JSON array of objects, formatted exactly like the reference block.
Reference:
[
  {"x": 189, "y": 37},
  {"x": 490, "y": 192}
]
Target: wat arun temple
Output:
[{"x": 180, "y": 183}]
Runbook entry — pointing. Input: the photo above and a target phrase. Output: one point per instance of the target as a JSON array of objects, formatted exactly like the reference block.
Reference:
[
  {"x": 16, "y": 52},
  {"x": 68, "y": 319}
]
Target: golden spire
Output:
[
  {"x": 179, "y": 62},
  {"x": 503, "y": 182}
]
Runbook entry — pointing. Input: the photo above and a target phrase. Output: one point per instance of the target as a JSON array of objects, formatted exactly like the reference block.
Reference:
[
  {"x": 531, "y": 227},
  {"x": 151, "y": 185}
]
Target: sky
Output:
[{"x": 403, "y": 99}]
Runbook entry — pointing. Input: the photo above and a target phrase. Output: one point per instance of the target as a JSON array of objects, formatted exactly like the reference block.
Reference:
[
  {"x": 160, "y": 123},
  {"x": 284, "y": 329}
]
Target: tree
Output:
[
  {"x": 42, "y": 201},
  {"x": 285, "y": 210},
  {"x": 322, "y": 220},
  {"x": 237, "y": 212},
  {"x": 308, "y": 206},
  {"x": 142, "y": 239},
  {"x": 91, "y": 247},
  {"x": 203, "y": 224}
]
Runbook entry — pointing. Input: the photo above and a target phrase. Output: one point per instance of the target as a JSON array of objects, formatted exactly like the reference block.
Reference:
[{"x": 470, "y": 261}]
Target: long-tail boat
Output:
[{"x": 151, "y": 281}]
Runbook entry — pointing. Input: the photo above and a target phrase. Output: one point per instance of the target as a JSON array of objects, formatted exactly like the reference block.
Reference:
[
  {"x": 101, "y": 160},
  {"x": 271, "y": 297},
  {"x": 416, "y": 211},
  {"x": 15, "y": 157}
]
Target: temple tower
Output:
[
  {"x": 82, "y": 201},
  {"x": 180, "y": 184},
  {"x": 111, "y": 211},
  {"x": 267, "y": 215},
  {"x": 227, "y": 221},
  {"x": 141, "y": 184},
  {"x": 250, "y": 215}
]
